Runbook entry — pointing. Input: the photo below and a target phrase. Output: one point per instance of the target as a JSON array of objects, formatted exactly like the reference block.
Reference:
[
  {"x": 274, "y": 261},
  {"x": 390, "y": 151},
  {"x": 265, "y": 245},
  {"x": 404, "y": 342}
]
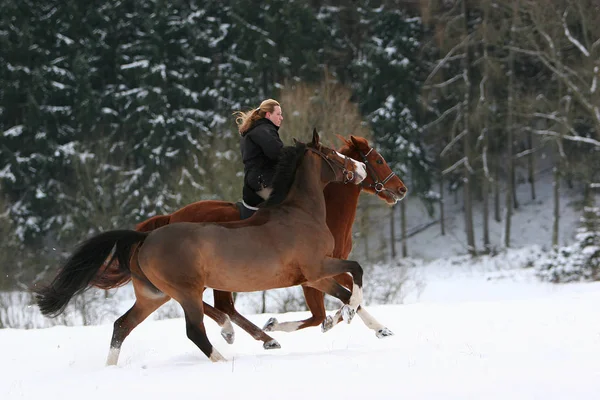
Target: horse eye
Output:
[{"x": 379, "y": 161}]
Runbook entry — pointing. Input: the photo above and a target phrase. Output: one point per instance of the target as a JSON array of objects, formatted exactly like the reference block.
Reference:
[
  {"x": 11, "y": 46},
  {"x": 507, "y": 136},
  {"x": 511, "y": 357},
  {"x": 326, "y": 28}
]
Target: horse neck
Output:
[
  {"x": 341, "y": 201},
  {"x": 307, "y": 190}
]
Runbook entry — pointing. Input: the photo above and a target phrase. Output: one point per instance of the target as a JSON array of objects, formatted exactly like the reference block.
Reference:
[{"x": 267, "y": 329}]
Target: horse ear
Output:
[
  {"x": 315, "y": 139},
  {"x": 342, "y": 139},
  {"x": 295, "y": 140},
  {"x": 356, "y": 142}
]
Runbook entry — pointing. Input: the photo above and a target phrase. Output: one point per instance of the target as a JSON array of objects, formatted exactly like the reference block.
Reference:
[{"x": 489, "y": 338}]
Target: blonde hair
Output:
[{"x": 244, "y": 120}]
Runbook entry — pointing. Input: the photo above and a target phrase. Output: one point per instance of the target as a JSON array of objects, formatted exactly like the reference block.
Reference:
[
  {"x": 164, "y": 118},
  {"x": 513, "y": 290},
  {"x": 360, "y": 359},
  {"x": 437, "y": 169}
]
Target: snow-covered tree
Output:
[
  {"x": 580, "y": 261},
  {"x": 387, "y": 85}
]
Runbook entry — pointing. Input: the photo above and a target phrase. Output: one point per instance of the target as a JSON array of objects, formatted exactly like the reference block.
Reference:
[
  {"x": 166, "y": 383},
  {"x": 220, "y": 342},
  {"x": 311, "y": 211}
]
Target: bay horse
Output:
[
  {"x": 341, "y": 202},
  {"x": 286, "y": 243}
]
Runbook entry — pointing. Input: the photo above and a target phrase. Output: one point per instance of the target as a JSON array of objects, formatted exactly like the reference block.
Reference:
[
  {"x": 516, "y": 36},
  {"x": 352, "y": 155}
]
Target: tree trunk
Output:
[
  {"x": 469, "y": 214},
  {"x": 559, "y": 168},
  {"x": 510, "y": 126},
  {"x": 514, "y": 177},
  {"x": 442, "y": 213},
  {"x": 531, "y": 165},
  {"x": 467, "y": 171},
  {"x": 497, "y": 214},
  {"x": 485, "y": 180},
  {"x": 393, "y": 231},
  {"x": 404, "y": 233},
  {"x": 556, "y": 187},
  {"x": 364, "y": 230},
  {"x": 486, "y": 214}
]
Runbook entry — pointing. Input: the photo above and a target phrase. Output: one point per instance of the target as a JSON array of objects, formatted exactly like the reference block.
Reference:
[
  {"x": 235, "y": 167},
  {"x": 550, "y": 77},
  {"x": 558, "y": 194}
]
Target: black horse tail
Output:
[{"x": 83, "y": 266}]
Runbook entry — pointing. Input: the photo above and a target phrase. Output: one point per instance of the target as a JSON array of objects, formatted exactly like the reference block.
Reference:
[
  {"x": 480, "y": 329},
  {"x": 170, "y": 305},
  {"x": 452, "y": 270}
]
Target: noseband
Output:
[
  {"x": 378, "y": 186},
  {"x": 348, "y": 176}
]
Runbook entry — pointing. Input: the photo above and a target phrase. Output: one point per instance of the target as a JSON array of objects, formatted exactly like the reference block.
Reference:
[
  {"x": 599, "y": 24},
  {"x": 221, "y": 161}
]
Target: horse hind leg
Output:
[
  {"x": 196, "y": 331},
  {"x": 148, "y": 299},
  {"x": 224, "y": 302},
  {"x": 313, "y": 294},
  {"x": 315, "y": 304},
  {"x": 223, "y": 320}
]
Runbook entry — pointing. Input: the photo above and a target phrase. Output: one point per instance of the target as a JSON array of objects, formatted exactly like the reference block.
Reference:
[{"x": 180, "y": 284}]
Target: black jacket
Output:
[{"x": 260, "y": 147}]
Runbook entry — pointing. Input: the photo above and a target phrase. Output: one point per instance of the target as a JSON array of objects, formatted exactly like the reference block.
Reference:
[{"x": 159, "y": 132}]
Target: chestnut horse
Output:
[
  {"x": 286, "y": 243},
  {"x": 341, "y": 202}
]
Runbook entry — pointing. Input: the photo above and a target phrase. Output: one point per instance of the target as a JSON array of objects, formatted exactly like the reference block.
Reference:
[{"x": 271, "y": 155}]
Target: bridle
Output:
[
  {"x": 348, "y": 176},
  {"x": 377, "y": 185}
]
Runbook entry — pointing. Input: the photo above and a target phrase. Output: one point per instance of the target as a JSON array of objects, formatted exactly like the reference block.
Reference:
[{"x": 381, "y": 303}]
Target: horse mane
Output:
[
  {"x": 289, "y": 160},
  {"x": 349, "y": 147}
]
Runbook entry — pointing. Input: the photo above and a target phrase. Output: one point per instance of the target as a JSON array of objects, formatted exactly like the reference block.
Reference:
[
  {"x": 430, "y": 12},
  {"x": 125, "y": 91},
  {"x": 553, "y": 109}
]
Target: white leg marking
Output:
[
  {"x": 330, "y": 321},
  {"x": 227, "y": 330},
  {"x": 270, "y": 325},
  {"x": 290, "y": 326},
  {"x": 113, "y": 356},
  {"x": 380, "y": 330},
  {"x": 357, "y": 297},
  {"x": 369, "y": 320},
  {"x": 227, "y": 326},
  {"x": 215, "y": 356}
]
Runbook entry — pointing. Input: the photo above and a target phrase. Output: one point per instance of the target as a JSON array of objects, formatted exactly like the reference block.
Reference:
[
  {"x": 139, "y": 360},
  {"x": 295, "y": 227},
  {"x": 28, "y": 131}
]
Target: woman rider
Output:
[{"x": 260, "y": 145}]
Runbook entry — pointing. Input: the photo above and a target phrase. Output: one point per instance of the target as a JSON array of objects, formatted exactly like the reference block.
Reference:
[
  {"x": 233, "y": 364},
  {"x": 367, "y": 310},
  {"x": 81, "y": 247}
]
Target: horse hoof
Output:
[
  {"x": 270, "y": 325},
  {"x": 327, "y": 324},
  {"x": 384, "y": 332},
  {"x": 348, "y": 313},
  {"x": 271, "y": 344},
  {"x": 215, "y": 356},
  {"x": 228, "y": 336}
]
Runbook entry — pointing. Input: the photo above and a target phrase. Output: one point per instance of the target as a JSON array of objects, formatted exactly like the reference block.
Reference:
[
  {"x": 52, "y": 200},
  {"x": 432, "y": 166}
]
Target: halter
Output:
[
  {"x": 378, "y": 186},
  {"x": 346, "y": 173}
]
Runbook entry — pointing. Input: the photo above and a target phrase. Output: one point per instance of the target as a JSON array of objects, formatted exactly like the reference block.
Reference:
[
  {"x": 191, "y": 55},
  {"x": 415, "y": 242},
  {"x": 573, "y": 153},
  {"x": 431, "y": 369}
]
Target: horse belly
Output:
[
  {"x": 240, "y": 262},
  {"x": 253, "y": 275}
]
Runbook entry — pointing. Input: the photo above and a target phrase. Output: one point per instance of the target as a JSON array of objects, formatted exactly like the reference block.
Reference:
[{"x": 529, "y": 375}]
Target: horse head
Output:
[
  {"x": 380, "y": 180},
  {"x": 337, "y": 167}
]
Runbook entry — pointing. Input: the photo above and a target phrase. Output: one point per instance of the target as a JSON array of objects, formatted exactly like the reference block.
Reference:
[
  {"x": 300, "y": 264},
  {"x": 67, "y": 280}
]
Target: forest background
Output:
[{"x": 112, "y": 112}]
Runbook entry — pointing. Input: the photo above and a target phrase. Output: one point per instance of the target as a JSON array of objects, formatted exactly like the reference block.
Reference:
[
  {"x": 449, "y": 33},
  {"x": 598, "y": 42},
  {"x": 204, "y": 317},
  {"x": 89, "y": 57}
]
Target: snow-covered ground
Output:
[{"x": 481, "y": 329}]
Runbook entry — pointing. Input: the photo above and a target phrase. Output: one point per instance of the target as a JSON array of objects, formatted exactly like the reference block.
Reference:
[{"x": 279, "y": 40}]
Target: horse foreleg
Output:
[
  {"x": 196, "y": 332},
  {"x": 313, "y": 292},
  {"x": 223, "y": 320},
  {"x": 331, "y": 267},
  {"x": 146, "y": 303},
  {"x": 224, "y": 302},
  {"x": 380, "y": 330}
]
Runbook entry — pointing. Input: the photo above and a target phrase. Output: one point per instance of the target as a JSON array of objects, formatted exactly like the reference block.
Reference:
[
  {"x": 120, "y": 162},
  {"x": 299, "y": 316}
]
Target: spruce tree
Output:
[{"x": 387, "y": 84}]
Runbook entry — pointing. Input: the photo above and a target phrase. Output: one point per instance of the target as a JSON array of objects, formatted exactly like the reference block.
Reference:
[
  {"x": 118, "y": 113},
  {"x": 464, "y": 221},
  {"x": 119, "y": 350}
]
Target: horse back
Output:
[
  {"x": 152, "y": 223},
  {"x": 207, "y": 211}
]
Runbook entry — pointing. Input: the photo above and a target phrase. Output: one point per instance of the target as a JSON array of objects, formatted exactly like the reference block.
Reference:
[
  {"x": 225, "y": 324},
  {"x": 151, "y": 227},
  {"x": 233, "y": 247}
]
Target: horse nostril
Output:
[{"x": 403, "y": 190}]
